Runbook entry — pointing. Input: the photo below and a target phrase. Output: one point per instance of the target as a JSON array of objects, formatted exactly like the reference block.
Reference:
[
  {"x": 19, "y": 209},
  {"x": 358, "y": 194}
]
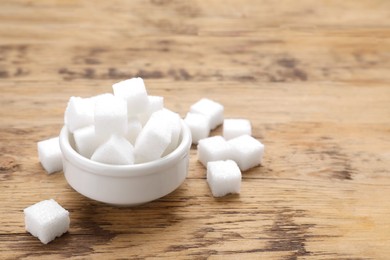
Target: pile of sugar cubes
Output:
[
  {"x": 129, "y": 127},
  {"x": 126, "y": 127},
  {"x": 227, "y": 155},
  {"x": 123, "y": 128}
]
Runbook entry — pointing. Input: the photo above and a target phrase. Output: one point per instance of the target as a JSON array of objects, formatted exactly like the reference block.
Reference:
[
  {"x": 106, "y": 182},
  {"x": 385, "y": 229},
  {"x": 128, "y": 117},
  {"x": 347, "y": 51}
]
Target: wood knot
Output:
[{"x": 8, "y": 164}]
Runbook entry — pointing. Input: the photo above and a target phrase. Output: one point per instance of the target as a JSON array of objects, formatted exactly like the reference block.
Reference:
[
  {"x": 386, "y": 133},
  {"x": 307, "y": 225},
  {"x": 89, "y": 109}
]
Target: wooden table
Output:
[{"x": 312, "y": 76}]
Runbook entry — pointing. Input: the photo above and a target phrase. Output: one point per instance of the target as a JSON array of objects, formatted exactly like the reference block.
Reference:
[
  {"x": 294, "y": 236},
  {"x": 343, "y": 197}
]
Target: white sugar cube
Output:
[
  {"x": 236, "y": 127},
  {"x": 49, "y": 154},
  {"x": 79, "y": 113},
  {"x": 117, "y": 150},
  {"x": 155, "y": 103},
  {"x": 211, "y": 109},
  {"x": 174, "y": 121},
  {"x": 134, "y": 92},
  {"x": 100, "y": 96},
  {"x": 110, "y": 116},
  {"x": 248, "y": 151},
  {"x": 213, "y": 148},
  {"x": 134, "y": 127},
  {"x": 223, "y": 177},
  {"x": 46, "y": 220},
  {"x": 153, "y": 139},
  {"x": 87, "y": 141},
  {"x": 199, "y": 125}
]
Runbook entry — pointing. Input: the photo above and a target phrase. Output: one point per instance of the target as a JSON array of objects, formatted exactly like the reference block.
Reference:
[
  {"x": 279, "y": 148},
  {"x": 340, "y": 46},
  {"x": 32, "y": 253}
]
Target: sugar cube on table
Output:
[
  {"x": 117, "y": 150},
  {"x": 153, "y": 139},
  {"x": 110, "y": 116},
  {"x": 247, "y": 151},
  {"x": 211, "y": 109},
  {"x": 46, "y": 220},
  {"x": 223, "y": 177},
  {"x": 213, "y": 148},
  {"x": 236, "y": 127},
  {"x": 79, "y": 113},
  {"x": 134, "y": 92},
  {"x": 49, "y": 154},
  {"x": 199, "y": 125},
  {"x": 87, "y": 141}
]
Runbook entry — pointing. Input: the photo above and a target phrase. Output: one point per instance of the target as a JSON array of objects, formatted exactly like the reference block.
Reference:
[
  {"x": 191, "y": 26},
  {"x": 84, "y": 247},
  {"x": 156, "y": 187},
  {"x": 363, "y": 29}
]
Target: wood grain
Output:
[{"x": 313, "y": 78}]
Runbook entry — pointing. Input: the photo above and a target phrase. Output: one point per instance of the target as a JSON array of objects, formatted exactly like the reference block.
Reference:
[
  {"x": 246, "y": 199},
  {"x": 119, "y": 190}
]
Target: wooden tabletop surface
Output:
[{"x": 312, "y": 76}]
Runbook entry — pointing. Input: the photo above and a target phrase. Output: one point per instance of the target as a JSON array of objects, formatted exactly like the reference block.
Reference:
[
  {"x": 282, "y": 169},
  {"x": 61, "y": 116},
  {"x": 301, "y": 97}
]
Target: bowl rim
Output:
[{"x": 141, "y": 169}]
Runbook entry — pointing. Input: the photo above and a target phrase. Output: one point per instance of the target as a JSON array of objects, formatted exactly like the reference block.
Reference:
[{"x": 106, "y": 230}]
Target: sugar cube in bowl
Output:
[{"x": 132, "y": 152}]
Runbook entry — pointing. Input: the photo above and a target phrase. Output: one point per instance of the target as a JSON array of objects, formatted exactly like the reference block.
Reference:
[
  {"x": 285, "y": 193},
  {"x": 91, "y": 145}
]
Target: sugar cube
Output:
[
  {"x": 247, "y": 151},
  {"x": 110, "y": 116},
  {"x": 100, "y": 96},
  {"x": 134, "y": 127},
  {"x": 213, "y": 148},
  {"x": 153, "y": 139},
  {"x": 87, "y": 141},
  {"x": 223, "y": 177},
  {"x": 117, "y": 150},
  {"x": 134, "y": 92},
  {"x": 155, "y": 103},
  {"x": 49, "y": 154},
  {"x": 236, "y": 127},
  {"x": 199, "y": 125},
  {"x": 174, "y": 121},
  {"x": 46, "y": 220},
  {"x": 211, "y": 109},
  {"x": 79, "y": 113}
]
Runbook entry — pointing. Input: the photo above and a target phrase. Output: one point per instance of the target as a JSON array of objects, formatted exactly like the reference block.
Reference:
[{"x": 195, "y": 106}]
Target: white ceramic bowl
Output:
[{"x": 125, "y": 185}]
